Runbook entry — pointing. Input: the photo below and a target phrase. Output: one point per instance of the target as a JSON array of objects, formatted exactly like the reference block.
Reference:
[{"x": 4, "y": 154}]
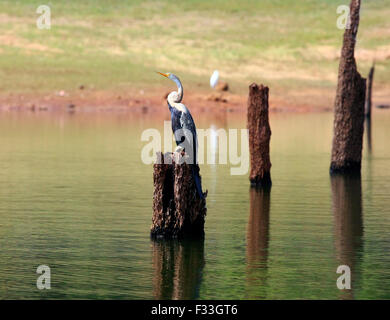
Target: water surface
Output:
[{"x": 74, "y": 195}]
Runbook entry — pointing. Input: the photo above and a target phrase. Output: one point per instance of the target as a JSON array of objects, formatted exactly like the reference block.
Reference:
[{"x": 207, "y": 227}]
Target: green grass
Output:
[{"x": 116, "y": 45}]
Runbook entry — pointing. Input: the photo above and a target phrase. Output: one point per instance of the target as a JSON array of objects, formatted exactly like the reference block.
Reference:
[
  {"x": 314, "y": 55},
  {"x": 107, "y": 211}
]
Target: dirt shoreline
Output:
[{"x": 139, "y": 101}]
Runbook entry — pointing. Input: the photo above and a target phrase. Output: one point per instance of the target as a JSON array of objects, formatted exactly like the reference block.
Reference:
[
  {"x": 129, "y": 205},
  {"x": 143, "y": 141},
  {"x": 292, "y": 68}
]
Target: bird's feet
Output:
[
  {"x": 179, "y": 150},
  {"x": 179, "y": 155}
]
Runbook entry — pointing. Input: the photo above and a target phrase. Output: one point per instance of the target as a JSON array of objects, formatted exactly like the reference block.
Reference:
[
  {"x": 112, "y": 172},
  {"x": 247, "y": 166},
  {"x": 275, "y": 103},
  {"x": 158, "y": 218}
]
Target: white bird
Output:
[{"x": 214, "y": 79}]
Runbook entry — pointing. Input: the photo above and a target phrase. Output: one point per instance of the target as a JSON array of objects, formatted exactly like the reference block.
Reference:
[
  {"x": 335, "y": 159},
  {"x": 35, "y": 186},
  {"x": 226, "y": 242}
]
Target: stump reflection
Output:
[
  {"x": 257, "y": 242},
  {"x": 348, "y": 225},
  {"x": 178, "y": 267},
  {"x": 368, "y": 132}
]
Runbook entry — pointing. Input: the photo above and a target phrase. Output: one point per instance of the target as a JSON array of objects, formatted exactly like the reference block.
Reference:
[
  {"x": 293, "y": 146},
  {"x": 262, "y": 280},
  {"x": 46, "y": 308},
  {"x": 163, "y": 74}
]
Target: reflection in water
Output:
[
  {"x": 257, "y": 243},
  {"x": 213, "y": 145},
  {"x": 368, "y": 131},
  {"x": 178, "y": 267},
  {"x": 348, "y": 224}
]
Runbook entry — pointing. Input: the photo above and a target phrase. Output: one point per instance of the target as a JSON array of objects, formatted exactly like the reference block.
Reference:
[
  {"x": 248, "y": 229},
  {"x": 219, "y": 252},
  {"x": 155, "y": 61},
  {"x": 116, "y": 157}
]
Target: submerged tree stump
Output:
[
  {"x": 178, "y": 211},
  {"x": 349, "y": 104},
  {"x": 369, "y": 91},
  {"x": 259, "y": 136}
]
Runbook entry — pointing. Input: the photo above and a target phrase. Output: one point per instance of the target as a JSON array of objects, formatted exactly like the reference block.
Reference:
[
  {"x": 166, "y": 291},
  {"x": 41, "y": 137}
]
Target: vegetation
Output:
[{"x": 116, "y": 45}]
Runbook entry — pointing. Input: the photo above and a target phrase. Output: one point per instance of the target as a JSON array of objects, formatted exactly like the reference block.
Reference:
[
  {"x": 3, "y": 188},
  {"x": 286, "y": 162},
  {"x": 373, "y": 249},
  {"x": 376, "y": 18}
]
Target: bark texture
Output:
[
  {"x": 259, "y": 136},
  {"x": 178, "y": 211},
  {"x": 369, "y": 92},
  {"x": 349, "y": 104}
]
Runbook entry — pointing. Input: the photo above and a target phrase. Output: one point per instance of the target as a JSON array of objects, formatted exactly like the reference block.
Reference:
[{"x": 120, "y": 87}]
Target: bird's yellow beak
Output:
[{"x": 164, "y": 74}]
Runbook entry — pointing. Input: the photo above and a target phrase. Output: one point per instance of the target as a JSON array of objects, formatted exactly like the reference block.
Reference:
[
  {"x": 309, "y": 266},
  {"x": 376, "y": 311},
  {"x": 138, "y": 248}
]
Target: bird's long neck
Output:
[
  {"x": 179, "y": 90},
  {"x": 172, "y": 102}
]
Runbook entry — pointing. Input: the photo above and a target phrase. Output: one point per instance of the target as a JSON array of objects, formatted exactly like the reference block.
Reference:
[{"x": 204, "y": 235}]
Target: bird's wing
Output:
[{"x": 188, "y": 123}]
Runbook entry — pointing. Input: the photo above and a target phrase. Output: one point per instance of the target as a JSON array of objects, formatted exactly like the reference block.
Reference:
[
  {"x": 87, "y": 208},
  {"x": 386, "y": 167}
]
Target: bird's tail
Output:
[{"x": 197, "y": 179}]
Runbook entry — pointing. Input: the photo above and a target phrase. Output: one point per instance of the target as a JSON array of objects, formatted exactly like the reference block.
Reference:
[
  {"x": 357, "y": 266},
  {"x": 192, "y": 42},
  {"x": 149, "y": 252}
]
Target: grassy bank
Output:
[{"x": 116, "y": 45}]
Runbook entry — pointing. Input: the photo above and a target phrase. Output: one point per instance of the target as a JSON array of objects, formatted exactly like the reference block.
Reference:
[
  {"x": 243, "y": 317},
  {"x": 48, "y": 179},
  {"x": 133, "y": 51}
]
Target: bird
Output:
[
  {"x": 214, "y": 79},
  {"x": 182, "y": 124}
]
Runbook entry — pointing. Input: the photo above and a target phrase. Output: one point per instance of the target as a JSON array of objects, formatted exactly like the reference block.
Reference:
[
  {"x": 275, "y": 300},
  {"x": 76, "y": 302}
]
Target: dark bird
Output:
[{"x": 183, "y": 127}]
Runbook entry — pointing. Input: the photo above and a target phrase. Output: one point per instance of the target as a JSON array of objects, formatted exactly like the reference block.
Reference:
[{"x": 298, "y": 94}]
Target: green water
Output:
[{"x": 74, "y": 195}]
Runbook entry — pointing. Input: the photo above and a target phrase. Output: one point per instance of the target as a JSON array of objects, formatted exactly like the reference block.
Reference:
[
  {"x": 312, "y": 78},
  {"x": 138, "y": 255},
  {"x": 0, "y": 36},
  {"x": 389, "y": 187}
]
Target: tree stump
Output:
[
  {"x": 369, "y": 91},
  {"x": 178, "y": 211},
  {"x": 349, "y": 104},
  {"x": 259, "y": 136}
]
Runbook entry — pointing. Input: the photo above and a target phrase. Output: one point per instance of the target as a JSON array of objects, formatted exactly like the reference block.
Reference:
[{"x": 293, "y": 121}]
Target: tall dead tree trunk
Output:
[
  {"x": 349, "y": 104},
  {"x": 369, "y": 91},
  {"x": 259, "y": 136},
  {"x": 178, "y": 211}
]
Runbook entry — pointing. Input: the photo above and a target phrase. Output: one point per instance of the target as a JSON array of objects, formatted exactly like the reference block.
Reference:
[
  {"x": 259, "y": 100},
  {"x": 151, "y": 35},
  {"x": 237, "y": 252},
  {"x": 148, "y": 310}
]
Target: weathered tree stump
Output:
[
  {"x": 369, "y": 91},
  {"x": 178, "y": 211},
  {"x": 349, "y": 104},
  {"x": 259, "y": 136}
]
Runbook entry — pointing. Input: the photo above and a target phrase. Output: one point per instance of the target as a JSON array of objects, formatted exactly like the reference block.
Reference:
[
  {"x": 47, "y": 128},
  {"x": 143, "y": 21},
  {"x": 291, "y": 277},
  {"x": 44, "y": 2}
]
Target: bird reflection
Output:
[
  {"x": 348, "y": 225},
  {"x": 257, "y": 243},
  {"x": 178, "y": 267}
]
